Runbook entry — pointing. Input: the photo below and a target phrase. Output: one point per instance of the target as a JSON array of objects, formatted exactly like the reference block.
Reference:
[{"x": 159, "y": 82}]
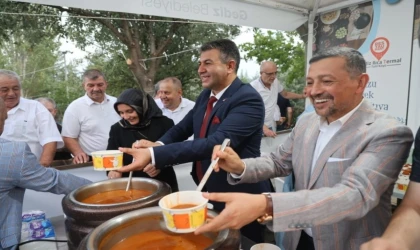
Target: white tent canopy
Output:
[{"x": 285, "y": 15}]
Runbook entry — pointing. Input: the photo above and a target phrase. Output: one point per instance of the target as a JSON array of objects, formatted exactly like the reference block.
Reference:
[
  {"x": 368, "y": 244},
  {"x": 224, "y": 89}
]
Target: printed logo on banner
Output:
[{"x": 379, "y": 47}]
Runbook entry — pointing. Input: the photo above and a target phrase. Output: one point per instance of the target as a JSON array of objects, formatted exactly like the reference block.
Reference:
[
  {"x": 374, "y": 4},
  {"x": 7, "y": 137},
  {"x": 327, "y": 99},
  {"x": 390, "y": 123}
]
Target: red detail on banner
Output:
[{"x": 379, "y": 47}]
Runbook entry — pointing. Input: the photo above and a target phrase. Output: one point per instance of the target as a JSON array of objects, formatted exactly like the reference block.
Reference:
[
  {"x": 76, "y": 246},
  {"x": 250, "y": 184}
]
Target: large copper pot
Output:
[
  {"x": 148, "y": 219},
  {"x": 82, "y": 218}
]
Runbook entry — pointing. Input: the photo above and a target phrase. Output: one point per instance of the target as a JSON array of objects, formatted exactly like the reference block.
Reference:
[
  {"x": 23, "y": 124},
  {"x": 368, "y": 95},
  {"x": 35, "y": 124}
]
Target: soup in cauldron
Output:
[
  {"x": 116, "y": 196},
  {"x": 163, "y": 241}
]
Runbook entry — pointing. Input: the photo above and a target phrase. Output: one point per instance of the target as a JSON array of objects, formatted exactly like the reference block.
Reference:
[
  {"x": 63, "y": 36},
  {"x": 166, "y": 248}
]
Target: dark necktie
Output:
[{"x": 203, "y": 129}]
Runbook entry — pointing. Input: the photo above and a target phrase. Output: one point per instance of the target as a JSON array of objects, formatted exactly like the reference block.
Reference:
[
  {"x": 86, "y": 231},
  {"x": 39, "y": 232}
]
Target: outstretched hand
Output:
[
  {"x": 145, "y": 144},
  {"x": 240, "y": 210},
  {"x": 141, "y": 157}
]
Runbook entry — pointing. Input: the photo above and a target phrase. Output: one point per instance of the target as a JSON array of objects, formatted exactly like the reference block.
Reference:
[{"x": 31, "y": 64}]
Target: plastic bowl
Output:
[{"x": 107, "y": 160}]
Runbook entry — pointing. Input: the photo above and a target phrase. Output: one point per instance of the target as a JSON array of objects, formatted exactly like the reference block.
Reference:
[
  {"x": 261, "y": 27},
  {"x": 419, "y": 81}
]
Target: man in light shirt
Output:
[
  {"x": 174, "y": 105},
  {"x": 268, "y": 86},
  {"x": 346, "y": 157},
  {"x": 28, "y": 120},
  {"x": 88, "y": 119}
]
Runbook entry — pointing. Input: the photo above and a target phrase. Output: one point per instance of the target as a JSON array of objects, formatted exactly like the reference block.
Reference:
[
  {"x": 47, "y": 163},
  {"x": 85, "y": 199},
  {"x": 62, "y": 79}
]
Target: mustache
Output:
[{"x": 96, "y": 92}]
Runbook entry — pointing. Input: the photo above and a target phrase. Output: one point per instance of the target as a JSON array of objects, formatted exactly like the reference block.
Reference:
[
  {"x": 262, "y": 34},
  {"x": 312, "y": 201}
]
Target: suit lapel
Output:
[
  {"x": 309, "y": 140},
  {"x": 228, "y": 93},
  {"x": 361, "y": 117}
]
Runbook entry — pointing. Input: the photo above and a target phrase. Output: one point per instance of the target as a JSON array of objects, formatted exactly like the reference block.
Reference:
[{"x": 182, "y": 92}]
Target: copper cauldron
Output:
[
  {"x": 82, "y": 218},
  {"x": 123, "y": 226}
]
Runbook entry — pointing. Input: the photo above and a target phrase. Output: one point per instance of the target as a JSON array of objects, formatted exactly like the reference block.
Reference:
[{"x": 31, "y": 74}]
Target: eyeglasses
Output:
[{"x": 270, "y": 74}]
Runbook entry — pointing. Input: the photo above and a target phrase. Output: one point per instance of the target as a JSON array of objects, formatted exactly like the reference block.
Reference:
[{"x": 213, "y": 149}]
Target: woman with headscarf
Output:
[{"x": 141, "y": 119}]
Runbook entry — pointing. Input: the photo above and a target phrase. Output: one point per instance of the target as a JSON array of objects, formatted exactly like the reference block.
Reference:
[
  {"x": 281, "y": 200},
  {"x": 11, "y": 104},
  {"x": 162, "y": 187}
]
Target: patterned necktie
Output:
[{"x": 212, "y": 100}]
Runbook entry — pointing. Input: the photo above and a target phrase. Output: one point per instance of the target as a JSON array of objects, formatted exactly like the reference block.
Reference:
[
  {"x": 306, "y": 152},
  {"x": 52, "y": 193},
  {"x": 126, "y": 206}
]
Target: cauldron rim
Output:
[
  {"x": 72, "y": 196},
  {"x": 113, "y": 223}
]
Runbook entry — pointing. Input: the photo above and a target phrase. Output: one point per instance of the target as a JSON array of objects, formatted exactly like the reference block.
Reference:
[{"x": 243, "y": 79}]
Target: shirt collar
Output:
[
  {"x": 324, "y": 123},
  {"x": 182, "y": 104},
  {"x": 90, "y": 101},
  {"x": 262, "y": 84},
  {"x": 220, "y": 94},
  {"x": 20, "y": 106}
]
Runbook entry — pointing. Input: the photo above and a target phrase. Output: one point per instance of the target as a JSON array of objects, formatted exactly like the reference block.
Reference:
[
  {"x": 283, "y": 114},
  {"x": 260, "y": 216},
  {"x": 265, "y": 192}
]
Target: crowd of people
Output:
[{"x": 345, "y": 156}]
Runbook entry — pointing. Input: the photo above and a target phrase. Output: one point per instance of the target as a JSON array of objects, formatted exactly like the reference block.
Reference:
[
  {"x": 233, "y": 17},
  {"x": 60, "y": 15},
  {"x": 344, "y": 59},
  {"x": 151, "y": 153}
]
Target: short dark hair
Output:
[
  {"x": 355, "y": 63},
  {"x": 228, "y": 50},
  {"x": 93, "y": 74}
]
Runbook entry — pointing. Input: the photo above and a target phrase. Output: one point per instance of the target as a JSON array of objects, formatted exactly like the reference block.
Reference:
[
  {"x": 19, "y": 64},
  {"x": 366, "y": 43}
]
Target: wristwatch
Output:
[{"x": 268, "y": 216}]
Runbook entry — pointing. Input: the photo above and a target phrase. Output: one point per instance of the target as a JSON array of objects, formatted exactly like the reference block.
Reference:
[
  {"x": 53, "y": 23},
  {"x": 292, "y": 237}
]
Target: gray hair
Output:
[
  {"x": 156, "y": 88},
  {"x": 175, "y": 81},
  {"x": 93, "y": 74},
  {"x": 45, "y": 100},
  {"x": 355, "y": 63},
  {"x": 10, "y": 74}
]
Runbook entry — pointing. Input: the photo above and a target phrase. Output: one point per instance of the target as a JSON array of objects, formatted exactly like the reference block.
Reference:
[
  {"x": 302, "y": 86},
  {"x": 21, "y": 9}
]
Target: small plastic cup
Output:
[
  {"x": 184, "y": 211},
  {"x": 265, "y": 246},
  {"x": 107, "y": 160}
]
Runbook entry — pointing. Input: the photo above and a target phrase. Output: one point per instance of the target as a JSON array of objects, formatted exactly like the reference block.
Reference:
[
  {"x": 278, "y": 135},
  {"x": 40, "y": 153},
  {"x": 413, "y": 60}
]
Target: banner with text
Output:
[{"x": 382, "y": 31}]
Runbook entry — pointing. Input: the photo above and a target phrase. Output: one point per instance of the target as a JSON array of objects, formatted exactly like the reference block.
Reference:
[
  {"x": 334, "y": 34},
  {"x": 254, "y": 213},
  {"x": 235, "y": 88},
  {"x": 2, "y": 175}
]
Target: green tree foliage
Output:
[
  {"x": 41, "y": 69},
  {"x": 150, "y": 47},
  {"x": 35, "y": 28},
  {"x": 288, "y": 52}
]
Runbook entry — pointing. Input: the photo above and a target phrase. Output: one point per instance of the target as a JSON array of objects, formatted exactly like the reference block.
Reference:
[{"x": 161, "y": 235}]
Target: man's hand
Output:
[
  {"x": 145, "y": 144},
  {"x": 114, "y": 175},
  {"x": 151, "y": 170},
  {"x": 383, "y": 244},
  {"x": 141, "y": 157},
  {"x": 228, "y": 160},
  {"x": 81, "y": 157},
  {"x": 240, "y": 209},
  {"x": 268, "y": 132}
]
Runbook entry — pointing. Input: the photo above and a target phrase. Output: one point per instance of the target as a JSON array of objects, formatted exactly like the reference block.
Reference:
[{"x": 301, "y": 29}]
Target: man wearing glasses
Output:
[{"x": 268, "y": 86}]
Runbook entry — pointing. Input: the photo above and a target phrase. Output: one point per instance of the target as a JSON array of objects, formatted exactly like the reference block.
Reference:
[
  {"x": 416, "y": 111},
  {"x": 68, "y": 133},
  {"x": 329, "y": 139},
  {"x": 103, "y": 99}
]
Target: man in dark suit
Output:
[
  {"x": 238, "y": 114},
  {"x": 286, "y": 113}
]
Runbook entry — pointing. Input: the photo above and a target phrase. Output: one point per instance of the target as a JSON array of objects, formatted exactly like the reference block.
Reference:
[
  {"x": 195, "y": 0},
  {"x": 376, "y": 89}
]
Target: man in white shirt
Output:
[
  {"x": 174, "y": 105},
  {"x": 28, "y": 121},
  {"x": 345, "y": 157},
  {"x": 88, "y": 119},
  {"x": 268, "y": 86}
]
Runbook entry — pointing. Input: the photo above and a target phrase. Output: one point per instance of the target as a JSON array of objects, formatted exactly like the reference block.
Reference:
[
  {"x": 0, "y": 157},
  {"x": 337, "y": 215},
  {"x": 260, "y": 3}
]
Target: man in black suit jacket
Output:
[{"x": 238, "y": 115}]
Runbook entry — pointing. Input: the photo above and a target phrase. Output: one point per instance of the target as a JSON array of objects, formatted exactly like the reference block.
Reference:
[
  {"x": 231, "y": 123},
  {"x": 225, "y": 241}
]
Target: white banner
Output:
[
  {"x": 220, "y": 11},
  {"x": 388, "y": 55}
]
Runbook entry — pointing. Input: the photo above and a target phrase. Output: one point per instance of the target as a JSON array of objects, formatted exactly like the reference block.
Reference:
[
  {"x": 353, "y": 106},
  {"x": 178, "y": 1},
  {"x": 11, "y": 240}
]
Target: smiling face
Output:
[
  {"x": 128, "y": 113},
  {"x": 170, "y": 94},
  {"x": 9, "y": 91},
  {"x": 214, "y": 73},
  {"x": 95, "y": 88},
  {"x": 268, "y": 72},
  {"x": 331, "y": 88}
]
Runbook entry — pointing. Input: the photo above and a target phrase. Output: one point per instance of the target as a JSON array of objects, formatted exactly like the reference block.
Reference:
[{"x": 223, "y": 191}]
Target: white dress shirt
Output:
[
  {"x": 90, "y": 122},
  {"x": 32, "y": 123},
  {"x": 180, "y": 112},
  {"x": 269, "y": 96}
]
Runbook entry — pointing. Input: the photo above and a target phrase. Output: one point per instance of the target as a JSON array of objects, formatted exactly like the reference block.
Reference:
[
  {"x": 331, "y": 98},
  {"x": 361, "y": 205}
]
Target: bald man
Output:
[{"x": 268, "y": 86}]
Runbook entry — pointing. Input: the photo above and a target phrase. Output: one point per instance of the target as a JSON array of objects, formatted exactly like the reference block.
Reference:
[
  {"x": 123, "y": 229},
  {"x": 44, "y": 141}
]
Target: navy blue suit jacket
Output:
[{"x": 237, "y": 115}]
